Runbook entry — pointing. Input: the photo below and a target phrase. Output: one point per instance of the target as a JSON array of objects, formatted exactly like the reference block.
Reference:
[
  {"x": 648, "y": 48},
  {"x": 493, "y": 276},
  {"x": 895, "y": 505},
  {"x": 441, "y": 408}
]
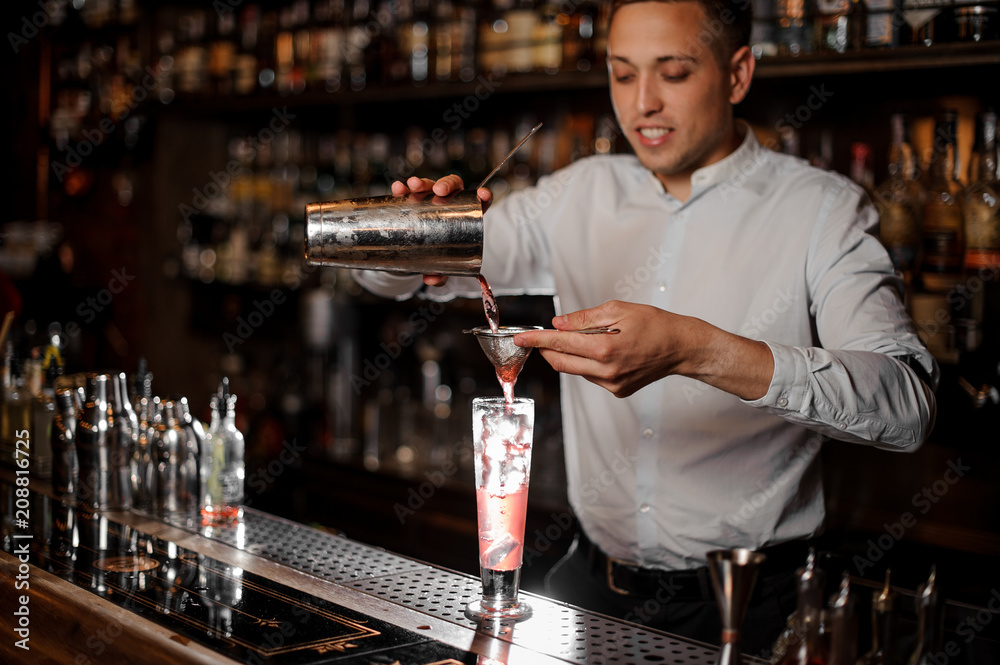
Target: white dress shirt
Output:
[{"x": 766, "y": 247}]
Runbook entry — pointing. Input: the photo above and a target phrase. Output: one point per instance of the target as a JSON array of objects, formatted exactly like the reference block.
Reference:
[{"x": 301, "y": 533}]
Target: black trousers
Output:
[{"x": 579, "y": 580}]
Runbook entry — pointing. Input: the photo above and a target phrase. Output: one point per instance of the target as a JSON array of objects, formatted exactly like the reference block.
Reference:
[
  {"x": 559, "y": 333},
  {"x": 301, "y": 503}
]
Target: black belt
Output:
[{"x": 628, "y": 579}]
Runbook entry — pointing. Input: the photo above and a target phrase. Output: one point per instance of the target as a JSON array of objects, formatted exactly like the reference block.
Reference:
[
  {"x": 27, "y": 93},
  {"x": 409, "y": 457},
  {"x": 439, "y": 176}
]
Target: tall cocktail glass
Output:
[{"x": 501, "y": 434}]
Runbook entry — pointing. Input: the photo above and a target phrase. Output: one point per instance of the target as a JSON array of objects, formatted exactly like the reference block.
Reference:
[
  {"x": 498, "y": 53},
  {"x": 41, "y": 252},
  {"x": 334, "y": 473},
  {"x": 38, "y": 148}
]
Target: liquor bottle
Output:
[
  {"x": 16, "y": 414},
  {"x": 884, "y": 20},
  {"x": 245, "y": 62},
  {"x": 165, "y": 456},
  {"x": 799, "y": 643},
  {"x": 861, "y": 165},
  {"x": 93, "y": 433},
  {"x": 831, "y": 24},
  {"x": 143, "y": 483},
  {"x": 123, "y": 442},
  {"x": 328, "y": 44},
  {"x": 65, "y": 463},
  {"x": 982, "y": 202},
  {"x": 188, "y": 479},
  {"x": 883, "y": 651},
  {"x": 929, "y": 619},
  {"x": 222, "y": 54},
  {"x": 898, "y": 200},
  {"x": 793, "y": 32},
  {"x": 222, "y": 461},
  {"x": 842, "y": 631},
  {"x": 942, "y": 222}
]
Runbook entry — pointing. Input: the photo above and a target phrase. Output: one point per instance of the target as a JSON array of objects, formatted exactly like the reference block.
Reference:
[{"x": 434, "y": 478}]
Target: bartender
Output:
[{"x": 758, "y": 314}]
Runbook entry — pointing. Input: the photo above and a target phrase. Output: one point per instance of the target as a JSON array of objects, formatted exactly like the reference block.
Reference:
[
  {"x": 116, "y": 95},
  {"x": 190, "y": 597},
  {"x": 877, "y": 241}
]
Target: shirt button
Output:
[
  {"x": 842, "y": 425},
  {"x": 782, "y": 402},
  {"x": 644, "y": 508},
  {"x": 647, "y": 433},
  {"x": 661, "y": 287}
]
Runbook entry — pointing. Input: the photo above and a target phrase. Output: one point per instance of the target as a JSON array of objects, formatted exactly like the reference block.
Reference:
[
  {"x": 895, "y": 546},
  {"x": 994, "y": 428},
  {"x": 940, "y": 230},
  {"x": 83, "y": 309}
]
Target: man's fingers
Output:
[
  {"x": 435, "y": 280},
  {"x": 448, "y": 184},
  {"x": 399, "y": 189},
  {"x": 420, "y": 184}
]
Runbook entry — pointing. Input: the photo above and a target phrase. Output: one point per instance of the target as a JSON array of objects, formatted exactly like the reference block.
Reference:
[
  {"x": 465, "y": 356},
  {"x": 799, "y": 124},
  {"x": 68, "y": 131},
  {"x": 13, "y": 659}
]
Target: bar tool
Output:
[
  {"x": 734, "y": 574},
  {"x": 507, "y": 357},
  {"x": 417, "y": 233}
]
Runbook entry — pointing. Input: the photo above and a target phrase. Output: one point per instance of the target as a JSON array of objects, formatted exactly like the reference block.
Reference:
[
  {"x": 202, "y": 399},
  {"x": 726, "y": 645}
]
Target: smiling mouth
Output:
[{"x": 653, "y": 132}]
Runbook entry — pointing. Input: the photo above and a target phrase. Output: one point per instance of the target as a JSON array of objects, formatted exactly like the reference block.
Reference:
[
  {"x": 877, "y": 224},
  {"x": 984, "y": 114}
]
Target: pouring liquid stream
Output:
[{"x": 506, "y": 375}]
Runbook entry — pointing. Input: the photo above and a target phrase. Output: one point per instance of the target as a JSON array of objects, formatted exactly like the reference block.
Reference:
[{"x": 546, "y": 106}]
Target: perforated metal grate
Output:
[
  {"x": 304, "y": 548},
  {"x": 553, "y": 629}
]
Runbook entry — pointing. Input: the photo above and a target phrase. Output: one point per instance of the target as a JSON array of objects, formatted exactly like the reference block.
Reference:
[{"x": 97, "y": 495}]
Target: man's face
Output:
[{"x": 671, "y": 96}]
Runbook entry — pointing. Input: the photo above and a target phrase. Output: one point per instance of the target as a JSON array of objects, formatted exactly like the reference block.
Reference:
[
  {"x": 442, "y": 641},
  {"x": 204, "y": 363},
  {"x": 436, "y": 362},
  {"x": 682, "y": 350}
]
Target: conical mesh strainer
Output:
[{"x": 499, "y": 347}]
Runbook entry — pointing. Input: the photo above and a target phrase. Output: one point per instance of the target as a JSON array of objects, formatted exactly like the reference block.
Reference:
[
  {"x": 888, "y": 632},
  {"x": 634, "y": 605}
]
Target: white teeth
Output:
[{"x": 653, "y": 132}]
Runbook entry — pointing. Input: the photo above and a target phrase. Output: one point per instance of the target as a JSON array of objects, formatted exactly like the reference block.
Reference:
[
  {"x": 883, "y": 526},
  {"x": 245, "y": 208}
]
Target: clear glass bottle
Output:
[
  {"x": 842, "y": 626},
  {"x": 943, "y": 236},
  {"x": 799, "y": 644},
  {"x": 982, "y": 201},
  {"x": 123, "y": 441},
  {"x": 883, "y": 651},
  {"x": 65, "y": 463},
  {"x": 93, "y": 442},
  {"x": 165, "y": 454},
  {"x": 188, "y": 480},
  {"x": 899, "y": 201},
  {"x": 223, "y": 466},
  {"x": 929, "y": 619}
]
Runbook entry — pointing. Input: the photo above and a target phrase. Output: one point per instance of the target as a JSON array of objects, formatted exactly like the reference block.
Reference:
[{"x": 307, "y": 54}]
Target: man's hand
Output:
[
  {"x": 443, "y": 187},
  {"x": 652, "y": 344}
]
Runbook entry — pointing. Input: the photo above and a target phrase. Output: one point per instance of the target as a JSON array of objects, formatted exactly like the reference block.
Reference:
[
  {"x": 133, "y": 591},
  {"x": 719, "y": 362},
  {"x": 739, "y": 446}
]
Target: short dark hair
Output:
[{"x": 728, "y": 23}]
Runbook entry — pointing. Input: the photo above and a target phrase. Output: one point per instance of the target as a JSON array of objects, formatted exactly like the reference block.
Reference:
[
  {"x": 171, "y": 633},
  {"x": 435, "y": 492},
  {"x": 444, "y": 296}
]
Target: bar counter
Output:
[{"x": 127, "y": 587}]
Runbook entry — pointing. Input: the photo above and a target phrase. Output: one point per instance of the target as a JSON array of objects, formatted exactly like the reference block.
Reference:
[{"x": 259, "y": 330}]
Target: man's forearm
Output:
[{"x": 735, "y": 364}]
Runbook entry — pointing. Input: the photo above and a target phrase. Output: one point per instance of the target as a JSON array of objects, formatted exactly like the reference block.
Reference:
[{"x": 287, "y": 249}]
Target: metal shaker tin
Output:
[{"x": 417, "y": 233}]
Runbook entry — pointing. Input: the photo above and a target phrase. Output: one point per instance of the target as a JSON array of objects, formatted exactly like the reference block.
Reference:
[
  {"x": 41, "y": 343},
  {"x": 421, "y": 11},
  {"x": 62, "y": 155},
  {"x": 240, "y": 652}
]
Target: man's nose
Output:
[{"x": 649, "y": 101}]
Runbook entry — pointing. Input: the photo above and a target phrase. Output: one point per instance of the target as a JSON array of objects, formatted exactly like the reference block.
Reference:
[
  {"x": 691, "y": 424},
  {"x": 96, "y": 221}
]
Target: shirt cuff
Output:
[{"x": 790, "y": 372}]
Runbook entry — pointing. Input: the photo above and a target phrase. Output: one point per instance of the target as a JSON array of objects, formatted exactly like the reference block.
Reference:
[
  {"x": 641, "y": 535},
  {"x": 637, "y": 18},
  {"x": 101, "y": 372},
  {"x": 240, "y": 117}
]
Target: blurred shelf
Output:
[
  {"x": 938, "y": 57},
  {"x": 873, "y": 61}
]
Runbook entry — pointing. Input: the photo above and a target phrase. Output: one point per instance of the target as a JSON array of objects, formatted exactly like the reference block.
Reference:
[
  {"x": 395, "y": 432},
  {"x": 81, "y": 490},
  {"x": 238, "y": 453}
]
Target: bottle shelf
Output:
[
  {"x": 867, "y": 61},
  {"x": 938, "y": 57}
]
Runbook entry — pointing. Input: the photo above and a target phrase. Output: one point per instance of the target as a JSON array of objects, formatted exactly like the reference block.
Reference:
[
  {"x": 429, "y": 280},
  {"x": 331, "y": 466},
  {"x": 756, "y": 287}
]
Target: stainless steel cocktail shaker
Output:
[{"x": 417, "y": 233}]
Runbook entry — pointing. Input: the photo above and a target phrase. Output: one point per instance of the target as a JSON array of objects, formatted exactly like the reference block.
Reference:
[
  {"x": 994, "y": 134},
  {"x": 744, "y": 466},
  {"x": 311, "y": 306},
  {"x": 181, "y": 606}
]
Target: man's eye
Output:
[
  {"x": 624, "y": 78},
  {"x": 675, "y": 78}
]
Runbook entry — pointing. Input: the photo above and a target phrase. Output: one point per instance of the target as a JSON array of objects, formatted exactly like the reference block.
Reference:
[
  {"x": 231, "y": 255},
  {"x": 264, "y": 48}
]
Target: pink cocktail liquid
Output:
[
  {"x": 501, "y": 528},
  {"x": 490, "y": 304}
]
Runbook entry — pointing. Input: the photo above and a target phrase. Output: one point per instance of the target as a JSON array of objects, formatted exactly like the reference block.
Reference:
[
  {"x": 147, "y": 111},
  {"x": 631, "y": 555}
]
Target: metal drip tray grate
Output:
[
  {"x": 304, "y": 548},
  {"x": 554, "y": 629}
]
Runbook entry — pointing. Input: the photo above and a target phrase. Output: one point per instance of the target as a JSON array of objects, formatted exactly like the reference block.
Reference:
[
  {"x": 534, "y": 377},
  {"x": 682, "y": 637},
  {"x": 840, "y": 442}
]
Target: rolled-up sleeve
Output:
[{"x": 858, "y": 384}]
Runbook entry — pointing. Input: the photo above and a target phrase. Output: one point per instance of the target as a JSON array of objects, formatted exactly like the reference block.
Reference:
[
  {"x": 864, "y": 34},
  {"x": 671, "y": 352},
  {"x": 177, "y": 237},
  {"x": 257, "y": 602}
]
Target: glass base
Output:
[
  {"x": 499, "y": 600},
  {"x": 518, "y": 611}
]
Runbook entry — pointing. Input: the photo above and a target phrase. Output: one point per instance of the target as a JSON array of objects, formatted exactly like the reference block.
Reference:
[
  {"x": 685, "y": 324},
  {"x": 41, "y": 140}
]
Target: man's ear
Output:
[{"x": 741, "y": 68}]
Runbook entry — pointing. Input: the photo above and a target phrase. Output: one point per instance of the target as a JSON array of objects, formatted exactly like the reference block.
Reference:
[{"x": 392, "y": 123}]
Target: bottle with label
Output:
[
  {"x": 165, "y": 451},
  {"x": 929, "y": 623},
  {"x": 943, "y": 224},
  {"x": 222, "y": 462},
  {"x": 883, "y": 651},
  {"x": 831, "y": 24},
  {"x": 899, "y": 201},
  {"x": 982, "y": 201}
]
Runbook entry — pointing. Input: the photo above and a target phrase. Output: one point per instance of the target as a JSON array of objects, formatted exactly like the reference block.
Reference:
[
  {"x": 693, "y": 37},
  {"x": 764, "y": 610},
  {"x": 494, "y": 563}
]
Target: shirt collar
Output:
[
  {"x": 730, "y": 166},
  {"x": 739, "y": 161}
]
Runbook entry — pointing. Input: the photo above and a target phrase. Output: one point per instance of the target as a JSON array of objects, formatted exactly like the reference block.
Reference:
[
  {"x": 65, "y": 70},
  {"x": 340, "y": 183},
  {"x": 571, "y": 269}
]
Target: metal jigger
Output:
[{"x": 734, "y": 573}]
